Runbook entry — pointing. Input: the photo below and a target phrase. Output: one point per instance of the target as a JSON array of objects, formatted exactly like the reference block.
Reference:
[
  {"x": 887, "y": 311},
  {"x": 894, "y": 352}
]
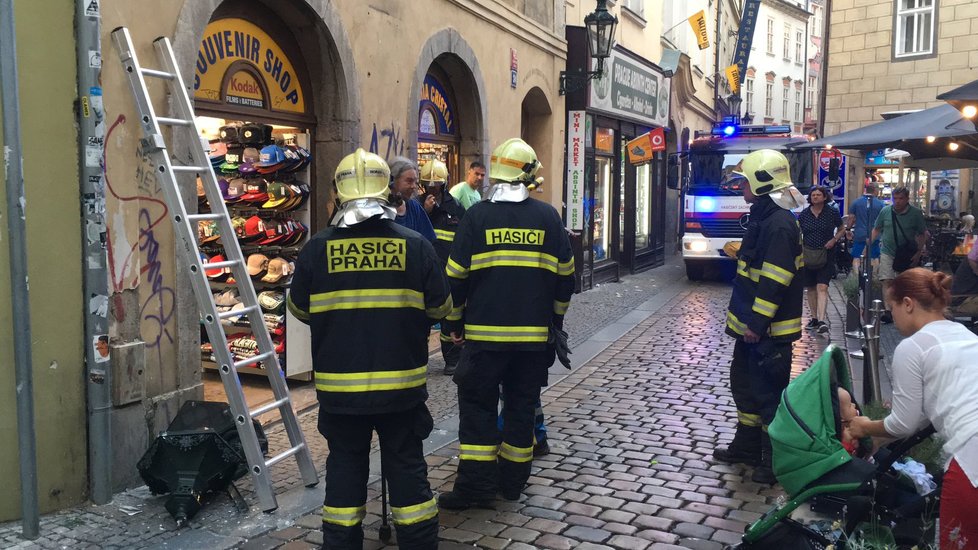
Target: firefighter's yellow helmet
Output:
[
  {"x": 434, "y": 171},
  {"x": 766, "y": 171},
  {"x": 514, "y": 161},
  {"x": 362, "y": 175}
]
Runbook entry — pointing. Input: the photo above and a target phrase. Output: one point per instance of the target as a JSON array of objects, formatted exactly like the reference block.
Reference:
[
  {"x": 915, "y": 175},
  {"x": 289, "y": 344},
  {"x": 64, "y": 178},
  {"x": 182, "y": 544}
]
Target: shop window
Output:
[
  {"x": 914, "y": 31},
  {"x": 602, "y": 207},
  {"x": 643, "y": 184},
  {"x": 605, "y": 141}
]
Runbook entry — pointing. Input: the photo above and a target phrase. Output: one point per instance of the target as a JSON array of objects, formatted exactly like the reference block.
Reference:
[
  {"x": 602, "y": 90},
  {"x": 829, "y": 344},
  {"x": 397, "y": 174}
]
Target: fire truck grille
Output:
[{"x": 722, "y": 228}]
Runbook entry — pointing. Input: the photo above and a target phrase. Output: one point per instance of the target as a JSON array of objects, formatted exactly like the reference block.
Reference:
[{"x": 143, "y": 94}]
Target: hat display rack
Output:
[{"x": 263, "y": 174}]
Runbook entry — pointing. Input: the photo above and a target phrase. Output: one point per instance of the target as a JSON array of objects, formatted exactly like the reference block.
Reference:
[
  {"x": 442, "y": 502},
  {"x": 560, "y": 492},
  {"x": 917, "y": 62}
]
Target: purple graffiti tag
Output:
[
  {"x": 395, "y": 145},
  {"x": 158, "y": 308}
]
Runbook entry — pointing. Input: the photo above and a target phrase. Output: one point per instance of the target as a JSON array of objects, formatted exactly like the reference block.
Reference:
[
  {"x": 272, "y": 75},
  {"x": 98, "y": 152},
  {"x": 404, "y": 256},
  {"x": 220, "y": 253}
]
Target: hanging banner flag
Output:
[
  {"x": 733, "y": 78},
  {"x": 698, "y": 22},
  {"x": 745, "y": 37},
  {"x": 575, "y": 170},
  {"x": 642, "y": 148}
]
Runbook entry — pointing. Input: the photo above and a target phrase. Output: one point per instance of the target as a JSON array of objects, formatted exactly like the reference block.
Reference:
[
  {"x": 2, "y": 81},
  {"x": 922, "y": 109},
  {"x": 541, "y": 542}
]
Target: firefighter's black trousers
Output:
[
  {"x": 486, "y": 463},
  {"x": 413, "y": 507},
  {"x": 758, "y": 374}
]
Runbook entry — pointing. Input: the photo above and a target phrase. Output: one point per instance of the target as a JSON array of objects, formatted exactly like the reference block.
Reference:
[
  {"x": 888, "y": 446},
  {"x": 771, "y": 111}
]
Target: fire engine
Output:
[{"x": 714, "y": 213}]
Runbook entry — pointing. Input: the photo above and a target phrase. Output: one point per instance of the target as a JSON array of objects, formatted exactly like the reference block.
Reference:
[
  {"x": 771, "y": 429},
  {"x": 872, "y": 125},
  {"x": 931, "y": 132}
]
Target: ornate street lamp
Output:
[
  {"x": 733, "y": 103},
  {"x": 600, "y": 38}
]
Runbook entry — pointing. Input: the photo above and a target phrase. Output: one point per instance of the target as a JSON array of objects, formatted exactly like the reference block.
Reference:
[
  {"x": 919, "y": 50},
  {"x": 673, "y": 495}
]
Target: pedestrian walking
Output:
[
  {"x": 764, "y": 314},
  {"x": 370, "y": 289},
  {"x": 445, "y": 213},
  {"x": 902, "y": 231},
  {"x": 821, "y": 228},
  {"x": 862, "y": 215},
  {"x": 512, "y": 275},
  {"x": 404, "y": 185},
  {"x": 468, "y": 191}
]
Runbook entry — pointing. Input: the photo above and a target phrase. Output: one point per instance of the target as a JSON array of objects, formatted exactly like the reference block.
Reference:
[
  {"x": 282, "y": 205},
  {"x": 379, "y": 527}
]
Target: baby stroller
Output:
[{"x": 813, "y": 467}]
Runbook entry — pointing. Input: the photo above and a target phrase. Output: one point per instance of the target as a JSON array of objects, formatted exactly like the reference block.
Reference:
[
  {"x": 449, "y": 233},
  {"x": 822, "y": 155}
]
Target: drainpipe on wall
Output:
[
  {"x": 824, "y": 84},
  {"x": 91, "y": 148},
  {"x": 13, "y": 161}
]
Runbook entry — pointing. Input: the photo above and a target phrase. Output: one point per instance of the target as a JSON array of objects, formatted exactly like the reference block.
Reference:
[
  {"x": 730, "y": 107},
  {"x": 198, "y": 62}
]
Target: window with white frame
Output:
[
  {"x": 784, "y": 102},
  {"x": 787, "y": 41},
  {"x": 770, "y": 36},
  {"x": 914, "y": 31},
  {"x": 817, "y": 27},
  {"x": 811, "y": 93},
  {"x": 636, "y": 6},
  {"x": 749, "y": 87},
  {"x": 768, "y": 99},
  {"x": 798, "y": 46},
  {"x": 797, "y": 105}
]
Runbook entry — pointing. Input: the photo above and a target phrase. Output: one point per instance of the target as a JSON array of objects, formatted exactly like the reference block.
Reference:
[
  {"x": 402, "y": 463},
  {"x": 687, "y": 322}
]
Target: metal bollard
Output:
[{"x": 872, "y": 393}]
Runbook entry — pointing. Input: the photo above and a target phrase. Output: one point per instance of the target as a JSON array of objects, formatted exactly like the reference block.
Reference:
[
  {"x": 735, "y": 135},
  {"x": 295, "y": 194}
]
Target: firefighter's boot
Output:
[
  {"x": 744, "y": 449},
  {"x": 763, "y": 473}
]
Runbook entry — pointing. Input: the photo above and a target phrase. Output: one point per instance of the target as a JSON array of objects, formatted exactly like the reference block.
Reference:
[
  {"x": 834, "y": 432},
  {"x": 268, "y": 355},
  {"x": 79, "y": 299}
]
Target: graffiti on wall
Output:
[
  {"x": 390, "y": 139},
  {"x": 157, "y": 303}
]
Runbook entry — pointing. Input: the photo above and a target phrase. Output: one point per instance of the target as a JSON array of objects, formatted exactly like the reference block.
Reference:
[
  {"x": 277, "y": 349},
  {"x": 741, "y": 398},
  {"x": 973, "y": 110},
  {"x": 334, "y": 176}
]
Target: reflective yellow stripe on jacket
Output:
[
  {"x": 749, "y": 419},
  {"x": 454, "y": 269},
  {"x": 764, "y": 307},
  {"x": 515, "y": 258},
  {"x": 441, "y": 311},
  {"x": 566, "y": 268},
  {"x": 347, "y": 382},
  {"x": 296, "y": 310},
  {"x": 456, "y": 313},
  {"x": 784, "y": 328},
  {"x": 481, "y": 453},
  {"x": 488, "y": 333},
  {"x": 409, "y": 515},
  {"x": 347, "y": 517},
  {"x": 443, "y": 235},
  {"x": 560, "y": 308},
  {"x": 776, "y": 273},
  {"x": 366, "y": 298}
]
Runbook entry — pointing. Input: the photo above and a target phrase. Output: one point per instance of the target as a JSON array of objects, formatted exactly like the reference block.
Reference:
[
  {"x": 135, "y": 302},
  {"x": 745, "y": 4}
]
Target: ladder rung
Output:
[
  {"x": 269, "y": 407},
  {"x": 254, "y": 359},
  {"x": 202, "y": 217},
  {"x": 190, "y": 168},
  {"x": 275, "y": 459},
  {"x": 175, "y": 121},
  {"x": 220, "y": 265},
  {"x": 236, "y": 312},
  {"x": 159, "y": 74}
]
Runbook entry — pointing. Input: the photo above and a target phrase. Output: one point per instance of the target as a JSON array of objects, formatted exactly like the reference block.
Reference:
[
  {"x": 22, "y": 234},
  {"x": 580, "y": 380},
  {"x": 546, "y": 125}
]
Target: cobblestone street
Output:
[{"x": 632, "y": 432}]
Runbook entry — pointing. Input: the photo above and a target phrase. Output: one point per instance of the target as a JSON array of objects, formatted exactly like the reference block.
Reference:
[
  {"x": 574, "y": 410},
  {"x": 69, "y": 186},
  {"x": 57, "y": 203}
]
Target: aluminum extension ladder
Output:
[{"x": 185, "y": 226}]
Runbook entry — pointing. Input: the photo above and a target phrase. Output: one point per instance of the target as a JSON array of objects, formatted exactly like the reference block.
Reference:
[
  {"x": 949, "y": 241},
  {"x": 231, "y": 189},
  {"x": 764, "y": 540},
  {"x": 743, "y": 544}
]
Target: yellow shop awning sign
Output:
[{"x": 229, "y": 42}]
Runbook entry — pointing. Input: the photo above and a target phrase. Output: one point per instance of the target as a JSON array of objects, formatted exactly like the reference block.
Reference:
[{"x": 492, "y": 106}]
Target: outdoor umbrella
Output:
[
  {"x": 937, "y": 122},
  {"x": 199, "y": 452},
  {"x": 964, "y": 98}
]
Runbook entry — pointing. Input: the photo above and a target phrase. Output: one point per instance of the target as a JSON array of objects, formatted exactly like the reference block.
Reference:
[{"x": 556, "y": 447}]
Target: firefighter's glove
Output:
[{"x": 557, "y": 341}]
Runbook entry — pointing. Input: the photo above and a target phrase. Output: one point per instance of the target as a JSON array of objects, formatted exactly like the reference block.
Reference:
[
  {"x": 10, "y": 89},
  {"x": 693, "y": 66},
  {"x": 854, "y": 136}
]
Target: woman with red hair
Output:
[{"x": 935, "y": 372}]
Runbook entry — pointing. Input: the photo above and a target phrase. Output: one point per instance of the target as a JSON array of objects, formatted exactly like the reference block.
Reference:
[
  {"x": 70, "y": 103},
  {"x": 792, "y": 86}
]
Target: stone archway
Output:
[
  {"x": 536, "y": 128},
  {"x": 453, "y": 55},
  {"x": 319, "y": 32}
]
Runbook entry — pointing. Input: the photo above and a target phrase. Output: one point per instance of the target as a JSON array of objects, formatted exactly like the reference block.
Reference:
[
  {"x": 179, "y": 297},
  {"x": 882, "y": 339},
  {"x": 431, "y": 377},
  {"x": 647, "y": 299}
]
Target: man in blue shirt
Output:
[
  {"x": 862, "y": 215},
  {"x": 404, "y": 184}
]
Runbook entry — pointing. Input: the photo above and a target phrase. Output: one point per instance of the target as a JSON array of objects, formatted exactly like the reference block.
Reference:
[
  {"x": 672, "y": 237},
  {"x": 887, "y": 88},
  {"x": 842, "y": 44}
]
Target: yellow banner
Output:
[
  {"x": 698, "y": 22},
  {"x": 228, "y": 43},
  {"x": 733, "y": 78}
]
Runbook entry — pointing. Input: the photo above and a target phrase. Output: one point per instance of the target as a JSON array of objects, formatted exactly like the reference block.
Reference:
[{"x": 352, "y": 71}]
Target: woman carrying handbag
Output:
[{"x": 821, "y": 228}]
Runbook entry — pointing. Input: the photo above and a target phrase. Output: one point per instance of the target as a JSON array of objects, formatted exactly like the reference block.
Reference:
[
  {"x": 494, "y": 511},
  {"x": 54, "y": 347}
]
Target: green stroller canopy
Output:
[{"x": 803, "y": 433}]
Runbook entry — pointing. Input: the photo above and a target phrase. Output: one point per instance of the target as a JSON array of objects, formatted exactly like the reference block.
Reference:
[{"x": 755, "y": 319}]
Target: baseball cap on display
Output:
[
  {"x": 257, "y": 264},
  {"x": 254, "y": 227},
  {"x": 298, "y": 231},
  {"x": 275, "y": 232},
  {"x": 255, "y": 190},
  {"x": 236, "y": 188},
  {"x": 303, "y": 158},
  {"x": 278, "y": 268},
  {"x": 229, "y": 133},
  {"x": 232, "y": 159},
  {"x": 272, "y": 157},
  {"x": 248, "y": 159},
  {"x": 238, "y": 223},
  {"x": 215, "y": 273},
  {"x": 251, "y": 134},
  {"x": 272, "y": 301},
  {"x": 236, "y": 318},
  {"x": 217, "y": 149},
  {"x": 208, "y": 231},
  {"x": 228, "y": 298},
  {"x": 278, "y": 194}
]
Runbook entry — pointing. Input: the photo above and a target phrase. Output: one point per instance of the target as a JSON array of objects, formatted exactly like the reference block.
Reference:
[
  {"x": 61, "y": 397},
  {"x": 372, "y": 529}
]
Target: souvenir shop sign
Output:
[
  {"x": 261, "y": 75},
  {"x": 437, "y": 114},
  {"x": 630, "y": 89},
  {"x": 576, "y": 127}
]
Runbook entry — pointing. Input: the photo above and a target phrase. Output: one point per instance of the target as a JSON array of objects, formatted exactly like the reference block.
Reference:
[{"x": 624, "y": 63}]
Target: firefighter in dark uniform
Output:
[
  {"x": 765, "y": 308},
  {"x": 363, "y": 277},
  {"x": 512, "y": 276},
  {"x": 445, "y": 213}
]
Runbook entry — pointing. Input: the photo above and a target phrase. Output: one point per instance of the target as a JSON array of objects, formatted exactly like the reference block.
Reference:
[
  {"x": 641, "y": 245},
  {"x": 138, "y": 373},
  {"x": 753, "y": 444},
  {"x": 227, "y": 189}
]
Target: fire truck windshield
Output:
[{"x": 711, "y": 171}]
